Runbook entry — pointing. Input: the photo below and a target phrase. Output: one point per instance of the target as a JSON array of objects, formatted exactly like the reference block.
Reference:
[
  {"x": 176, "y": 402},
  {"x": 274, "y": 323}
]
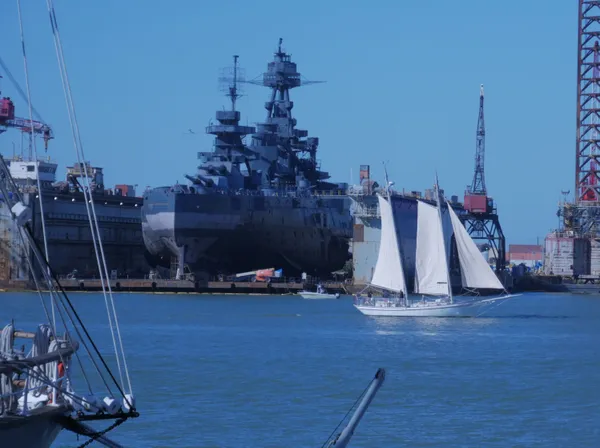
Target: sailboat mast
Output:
[
  {"x": 441, "y": 223},
  {"x": 389, "y": 199}
]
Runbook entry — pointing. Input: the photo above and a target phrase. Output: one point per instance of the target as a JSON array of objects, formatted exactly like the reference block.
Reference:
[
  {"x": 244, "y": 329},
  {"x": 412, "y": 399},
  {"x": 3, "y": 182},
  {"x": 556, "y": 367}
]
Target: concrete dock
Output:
[{"x": 183, "y": 286}]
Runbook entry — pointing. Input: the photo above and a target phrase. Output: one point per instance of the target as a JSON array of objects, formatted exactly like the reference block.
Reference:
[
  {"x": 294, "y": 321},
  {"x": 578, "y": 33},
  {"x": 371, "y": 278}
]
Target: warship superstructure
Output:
[{"x": 266, "y": 204}]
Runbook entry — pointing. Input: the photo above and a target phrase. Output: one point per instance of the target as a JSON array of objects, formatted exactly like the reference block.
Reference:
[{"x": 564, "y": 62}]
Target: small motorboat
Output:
[{"x": 321, "y": 293}]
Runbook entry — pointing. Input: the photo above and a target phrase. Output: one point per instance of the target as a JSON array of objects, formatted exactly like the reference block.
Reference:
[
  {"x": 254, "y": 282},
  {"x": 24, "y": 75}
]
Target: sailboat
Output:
[
  {"x": 38, "y": 392},
  {"x": 433, "y": 289}
]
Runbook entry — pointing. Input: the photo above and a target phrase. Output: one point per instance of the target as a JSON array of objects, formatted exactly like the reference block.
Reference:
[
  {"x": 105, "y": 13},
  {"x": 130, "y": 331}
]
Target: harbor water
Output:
[{"x": 273, "y": 371}]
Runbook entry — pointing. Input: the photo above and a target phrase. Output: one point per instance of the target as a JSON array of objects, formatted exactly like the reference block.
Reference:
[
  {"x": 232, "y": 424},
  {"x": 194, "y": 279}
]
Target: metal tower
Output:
[
  {"x": 478, "y": 185},
  {"x": 583, "y": 217},
  {"x": 482, "y": 220},
  {"x": 587, "y": 173}
]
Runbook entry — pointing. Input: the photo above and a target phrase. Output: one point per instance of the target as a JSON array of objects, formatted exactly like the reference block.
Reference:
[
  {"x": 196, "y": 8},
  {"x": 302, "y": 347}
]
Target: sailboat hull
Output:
[
  {"x": 37, "y": 430},
  {"x": 472, "y": 308}
]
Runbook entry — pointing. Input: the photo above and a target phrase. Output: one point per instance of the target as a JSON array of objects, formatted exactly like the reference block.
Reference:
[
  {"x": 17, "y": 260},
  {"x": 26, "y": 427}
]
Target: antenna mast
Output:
[{"x": 230, "y": 79}]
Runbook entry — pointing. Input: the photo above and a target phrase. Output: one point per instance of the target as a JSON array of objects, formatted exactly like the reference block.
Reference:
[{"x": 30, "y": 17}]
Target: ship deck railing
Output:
[{"x": 287, "y": 193}]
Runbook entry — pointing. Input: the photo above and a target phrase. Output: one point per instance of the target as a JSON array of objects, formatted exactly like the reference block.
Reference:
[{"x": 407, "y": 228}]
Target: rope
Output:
[
  {"x": 492, "y": 307},
  {"x": 46, "y": 273},
  {"x": 41, "y": 345},
  {"x": 72, "y": 309},
  {"x": 101, "y": 433},
  {"x": 52, "y": 290},
  {"x": 89, "y": 200},
  {"x": 7, "y": 338},
  {"x": 33, "y": 141}
]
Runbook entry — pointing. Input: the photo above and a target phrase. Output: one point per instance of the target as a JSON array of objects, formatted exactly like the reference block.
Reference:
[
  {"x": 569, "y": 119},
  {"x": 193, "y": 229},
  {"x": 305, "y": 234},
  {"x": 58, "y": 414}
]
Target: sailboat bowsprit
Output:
[{"x": 432, "y": 290}]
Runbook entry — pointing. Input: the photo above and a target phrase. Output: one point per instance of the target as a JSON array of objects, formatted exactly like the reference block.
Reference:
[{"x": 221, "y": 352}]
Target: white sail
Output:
[
  {"x": 431, "y": 269},
  {"x": 475, "y": 271},
  {"x": 389, "y": 273}
]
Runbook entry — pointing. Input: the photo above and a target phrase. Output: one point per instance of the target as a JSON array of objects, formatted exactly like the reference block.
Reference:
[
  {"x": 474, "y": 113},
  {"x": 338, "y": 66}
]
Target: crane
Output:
[
  {"x": 481, "y": 219},
  {"x": 476, "y": 195},
  {"x": 9, "y": 120}
]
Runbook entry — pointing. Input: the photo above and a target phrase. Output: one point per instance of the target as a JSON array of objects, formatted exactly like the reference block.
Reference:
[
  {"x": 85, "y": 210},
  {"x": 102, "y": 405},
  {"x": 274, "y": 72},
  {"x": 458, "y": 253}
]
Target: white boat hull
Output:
[
  {"x": 472, "y": 308},
  {"x": 317, "y": 295}
]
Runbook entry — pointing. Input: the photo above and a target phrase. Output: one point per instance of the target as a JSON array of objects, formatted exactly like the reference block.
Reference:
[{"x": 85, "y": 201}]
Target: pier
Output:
[{"x": 186, "y": 286}]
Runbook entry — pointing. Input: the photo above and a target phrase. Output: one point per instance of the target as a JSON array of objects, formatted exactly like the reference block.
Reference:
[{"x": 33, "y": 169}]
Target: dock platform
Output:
[{"x": 187, "y": 286}]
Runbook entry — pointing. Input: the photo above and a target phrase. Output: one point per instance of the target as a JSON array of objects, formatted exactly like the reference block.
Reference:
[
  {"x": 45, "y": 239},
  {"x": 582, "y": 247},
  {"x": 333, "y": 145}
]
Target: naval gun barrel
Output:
[
  {"x": 200, "y": 180},
  {"x": 342, "y": 440}
]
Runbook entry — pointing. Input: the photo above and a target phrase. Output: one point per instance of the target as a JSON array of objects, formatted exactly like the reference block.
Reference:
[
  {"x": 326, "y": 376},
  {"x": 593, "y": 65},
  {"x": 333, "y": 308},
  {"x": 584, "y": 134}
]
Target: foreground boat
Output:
[
  {"x": 38, "y": 397},
  {"x": 433, "y": 290}
]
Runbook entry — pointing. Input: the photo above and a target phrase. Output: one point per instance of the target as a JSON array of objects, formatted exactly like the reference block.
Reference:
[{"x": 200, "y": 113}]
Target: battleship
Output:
[{"x": 254, "y": 205}]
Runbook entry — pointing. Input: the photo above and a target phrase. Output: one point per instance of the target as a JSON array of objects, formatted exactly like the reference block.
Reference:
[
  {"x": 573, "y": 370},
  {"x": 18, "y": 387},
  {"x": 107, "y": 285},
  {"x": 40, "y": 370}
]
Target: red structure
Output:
[{"x": 587, "y": 171}]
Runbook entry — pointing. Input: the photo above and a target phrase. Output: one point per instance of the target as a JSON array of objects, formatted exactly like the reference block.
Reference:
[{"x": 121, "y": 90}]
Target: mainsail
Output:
[
  {"x": 389, "y": 273},
  {"x": 475, "y": 271},
  {"x": 431, "y": 268}
]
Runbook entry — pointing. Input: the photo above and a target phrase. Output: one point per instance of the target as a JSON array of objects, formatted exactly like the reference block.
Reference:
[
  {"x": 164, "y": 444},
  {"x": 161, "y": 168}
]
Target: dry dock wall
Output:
[{"x": 70, "y": 243}]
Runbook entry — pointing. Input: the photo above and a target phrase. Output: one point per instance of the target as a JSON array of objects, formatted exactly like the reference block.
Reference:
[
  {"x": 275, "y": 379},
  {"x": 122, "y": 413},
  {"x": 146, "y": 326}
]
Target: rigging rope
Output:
[
  {"x": 7, "y": 338},
  {"x": 41, "y": 345},
  {"x": 101, "y": 433},
  {"x": 89, "y": 203},
  {"x": 33, "y": 141},
  {"x": 51, "y": 275}
]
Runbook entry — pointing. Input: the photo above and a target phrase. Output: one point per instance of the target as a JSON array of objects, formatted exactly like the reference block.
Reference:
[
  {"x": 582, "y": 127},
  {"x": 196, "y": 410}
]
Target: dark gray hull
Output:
[
  {"x": 38, "y": 430},
  {"x": 236, "y": 233}
]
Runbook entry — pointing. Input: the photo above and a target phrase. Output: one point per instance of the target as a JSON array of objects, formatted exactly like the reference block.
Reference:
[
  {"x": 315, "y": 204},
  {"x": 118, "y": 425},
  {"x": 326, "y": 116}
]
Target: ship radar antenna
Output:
[{"x": 230, "y": 79}]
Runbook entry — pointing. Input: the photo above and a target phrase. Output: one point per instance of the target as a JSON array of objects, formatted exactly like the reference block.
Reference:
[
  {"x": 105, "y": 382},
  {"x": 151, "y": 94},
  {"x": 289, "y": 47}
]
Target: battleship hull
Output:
[{"x": 217, "y": 233}]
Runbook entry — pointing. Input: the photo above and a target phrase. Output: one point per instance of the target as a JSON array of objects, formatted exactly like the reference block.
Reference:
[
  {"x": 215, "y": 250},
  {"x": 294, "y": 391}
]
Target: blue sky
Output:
[{"x": 402, "y": 85}]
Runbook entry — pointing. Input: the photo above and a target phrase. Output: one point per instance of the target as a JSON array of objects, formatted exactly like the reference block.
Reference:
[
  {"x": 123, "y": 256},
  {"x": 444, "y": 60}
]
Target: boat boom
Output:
[{"x": 344, "y": 438}]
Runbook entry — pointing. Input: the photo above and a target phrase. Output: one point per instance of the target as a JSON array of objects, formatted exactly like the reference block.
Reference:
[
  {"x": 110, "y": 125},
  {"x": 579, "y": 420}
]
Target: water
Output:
[{"x": 258, "y": 371}]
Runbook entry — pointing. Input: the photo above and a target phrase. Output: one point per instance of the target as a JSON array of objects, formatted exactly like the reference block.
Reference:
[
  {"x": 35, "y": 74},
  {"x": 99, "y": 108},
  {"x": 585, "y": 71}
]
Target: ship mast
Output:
[
  {"x": 438, "y": 199},
  {"x": 233, "y": 89}
]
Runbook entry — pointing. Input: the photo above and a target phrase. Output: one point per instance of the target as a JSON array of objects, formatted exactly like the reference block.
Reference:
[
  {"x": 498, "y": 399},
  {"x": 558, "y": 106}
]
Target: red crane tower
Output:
[
  {"x": 482, "y": 221},
  {"x": 8, "y": 120}
]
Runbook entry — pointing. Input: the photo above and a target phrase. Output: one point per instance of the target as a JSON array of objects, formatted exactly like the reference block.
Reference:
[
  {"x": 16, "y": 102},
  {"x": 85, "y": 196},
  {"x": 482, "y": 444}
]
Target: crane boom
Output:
[{"x": 9, "y": 120}]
